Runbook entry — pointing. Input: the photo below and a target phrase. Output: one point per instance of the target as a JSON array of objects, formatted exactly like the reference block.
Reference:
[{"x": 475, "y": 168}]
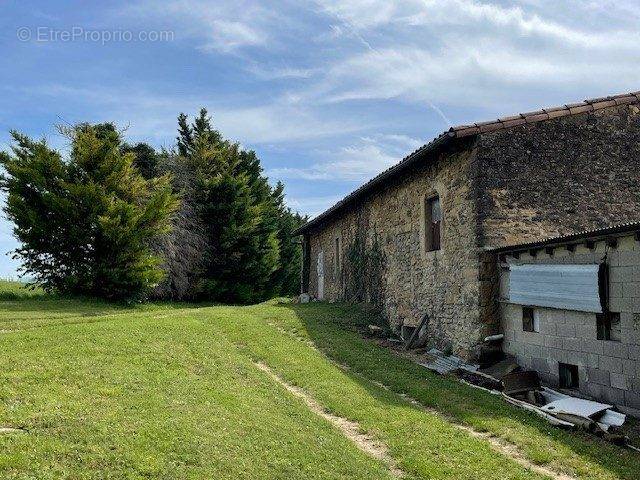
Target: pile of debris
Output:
[
  {"x": 500, "y": 374},
  {"x": 524, "y": 389}
]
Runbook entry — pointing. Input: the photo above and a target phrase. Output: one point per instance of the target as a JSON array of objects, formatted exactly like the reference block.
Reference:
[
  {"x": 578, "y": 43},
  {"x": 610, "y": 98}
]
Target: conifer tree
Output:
[
  {"x": 234, "y": 203},
  {"x": 286, "y": 279},
  {"x": 145, "y": 158},
  {"x": 86, "y": 224}
]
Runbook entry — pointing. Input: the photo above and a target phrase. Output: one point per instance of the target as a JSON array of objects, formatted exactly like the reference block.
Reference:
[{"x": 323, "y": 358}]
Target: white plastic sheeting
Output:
[{"x": 570, "y": 287}]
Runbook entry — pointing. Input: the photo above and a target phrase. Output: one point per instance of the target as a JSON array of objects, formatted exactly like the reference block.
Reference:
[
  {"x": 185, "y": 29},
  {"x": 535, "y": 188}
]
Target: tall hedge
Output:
[{"x": 235, "y": 204}]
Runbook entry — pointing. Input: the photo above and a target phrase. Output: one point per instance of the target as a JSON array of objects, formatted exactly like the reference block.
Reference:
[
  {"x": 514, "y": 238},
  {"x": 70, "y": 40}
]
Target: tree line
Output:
[{"x": 123, "y": 222}]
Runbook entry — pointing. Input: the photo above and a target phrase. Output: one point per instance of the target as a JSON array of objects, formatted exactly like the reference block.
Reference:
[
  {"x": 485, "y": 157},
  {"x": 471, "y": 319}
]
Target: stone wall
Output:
[
  {"x": 501, "y": 188},
  {"x": 559, "y": 176},
  {"x": 608, "y": 370},
  {"x": 446, "y": 283}
]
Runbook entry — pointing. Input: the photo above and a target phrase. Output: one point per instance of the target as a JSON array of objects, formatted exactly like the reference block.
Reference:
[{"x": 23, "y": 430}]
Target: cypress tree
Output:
[
  {"x": 235, "y": 205},
  {"x": 286, "y": 279},
  {"x": 86, "y": 224}
]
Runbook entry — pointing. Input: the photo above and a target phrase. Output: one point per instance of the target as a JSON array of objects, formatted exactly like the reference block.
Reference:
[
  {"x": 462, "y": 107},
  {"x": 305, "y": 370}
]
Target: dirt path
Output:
[
  {"x": 499, "y": 445},
  {"x": 349, "y": 429},
  {"x": 12, "y": 430}
]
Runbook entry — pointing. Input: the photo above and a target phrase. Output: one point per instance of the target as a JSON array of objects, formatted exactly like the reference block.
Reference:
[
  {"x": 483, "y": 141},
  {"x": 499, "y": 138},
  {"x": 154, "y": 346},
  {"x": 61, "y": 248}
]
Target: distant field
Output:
[
  {"x": 271, "y": 391},
  {"x": 12, "y": 290}
]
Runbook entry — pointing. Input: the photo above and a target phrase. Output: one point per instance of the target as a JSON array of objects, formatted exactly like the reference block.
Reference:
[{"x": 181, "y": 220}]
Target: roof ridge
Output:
[
  {"x": 547, "y": 113},
  {"x": 468, "y": 130}
]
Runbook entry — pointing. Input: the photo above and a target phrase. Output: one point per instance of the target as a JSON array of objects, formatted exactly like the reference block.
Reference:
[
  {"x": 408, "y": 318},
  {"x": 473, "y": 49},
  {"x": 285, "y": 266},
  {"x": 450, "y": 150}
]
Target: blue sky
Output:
[{"x": 327, "y": 92}]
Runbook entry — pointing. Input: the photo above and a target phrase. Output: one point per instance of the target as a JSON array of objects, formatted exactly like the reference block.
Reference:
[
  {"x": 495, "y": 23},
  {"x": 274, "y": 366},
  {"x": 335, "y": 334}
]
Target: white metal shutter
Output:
[{"x": 570, "y": 287}]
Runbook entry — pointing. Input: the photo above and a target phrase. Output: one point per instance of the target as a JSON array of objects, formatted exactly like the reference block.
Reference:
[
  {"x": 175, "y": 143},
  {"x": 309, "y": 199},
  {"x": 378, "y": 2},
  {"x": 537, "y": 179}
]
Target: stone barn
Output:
[{"x": 421, "y": 237}]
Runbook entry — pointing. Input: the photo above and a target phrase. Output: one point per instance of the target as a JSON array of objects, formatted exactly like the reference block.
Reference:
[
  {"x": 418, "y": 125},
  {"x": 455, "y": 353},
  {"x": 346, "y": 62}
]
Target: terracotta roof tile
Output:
[
  {"x": 554, "y": 109},
  {"x": 465, "y": 132},
  {"x": 491, "y": 127},
  {"x": 514, "y": 122},
  {"x": 512, "y": 117},
  {"x": 460, "y": 127},
  {"x": 537, "y": 117},
  {"x": 603, "y": 104},
  {"x": 575, "y": 109},
  {"x": 462, "y": 131},
  {"x": 559, "y": 113},
  {"x": 626, "y": 99},
  {"x": 482, "y": 124}
]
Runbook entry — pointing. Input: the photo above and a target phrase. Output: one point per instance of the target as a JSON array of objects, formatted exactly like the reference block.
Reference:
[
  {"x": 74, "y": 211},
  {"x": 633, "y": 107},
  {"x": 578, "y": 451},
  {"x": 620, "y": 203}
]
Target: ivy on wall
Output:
[{"x": 364, "y": 269}]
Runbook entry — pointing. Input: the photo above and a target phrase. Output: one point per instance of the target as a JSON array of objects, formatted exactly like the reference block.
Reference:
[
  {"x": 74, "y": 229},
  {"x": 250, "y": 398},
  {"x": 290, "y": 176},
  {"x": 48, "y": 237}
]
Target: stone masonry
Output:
[
  {"x": 506, "y": 182},
  {"x": 445, "y": 283},
  {"x": 558, "y": 177}
]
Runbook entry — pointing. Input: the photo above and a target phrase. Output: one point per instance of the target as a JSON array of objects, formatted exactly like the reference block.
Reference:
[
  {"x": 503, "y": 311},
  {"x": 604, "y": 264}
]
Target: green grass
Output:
[
  {"x": 171, "y": 391},
  {"x": 12, "y": 290}
]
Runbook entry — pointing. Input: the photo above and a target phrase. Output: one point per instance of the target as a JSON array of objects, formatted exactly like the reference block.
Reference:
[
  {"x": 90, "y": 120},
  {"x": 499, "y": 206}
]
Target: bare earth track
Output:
[{"x": 350, "y": 429}]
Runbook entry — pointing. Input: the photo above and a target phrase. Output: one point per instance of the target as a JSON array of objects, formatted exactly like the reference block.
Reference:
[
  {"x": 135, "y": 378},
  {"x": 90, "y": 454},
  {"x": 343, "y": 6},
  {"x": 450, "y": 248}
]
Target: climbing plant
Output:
[{"x": 364, "y": 269}]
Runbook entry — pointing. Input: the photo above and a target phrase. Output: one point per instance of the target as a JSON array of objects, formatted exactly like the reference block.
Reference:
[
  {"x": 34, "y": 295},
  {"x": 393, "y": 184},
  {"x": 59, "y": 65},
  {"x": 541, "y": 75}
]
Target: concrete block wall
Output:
[{"x": 608, "y": 370}]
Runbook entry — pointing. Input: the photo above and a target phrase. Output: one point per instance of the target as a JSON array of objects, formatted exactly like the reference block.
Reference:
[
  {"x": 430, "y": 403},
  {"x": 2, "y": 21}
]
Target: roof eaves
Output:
[
  {"x": 462, "y": 131},
  {"x": 623, "y": 228}
]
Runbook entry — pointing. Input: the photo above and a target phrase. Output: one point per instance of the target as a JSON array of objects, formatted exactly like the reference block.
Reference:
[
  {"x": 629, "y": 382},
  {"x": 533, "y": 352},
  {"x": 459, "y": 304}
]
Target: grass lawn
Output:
[{"x": 173, "y": 391}]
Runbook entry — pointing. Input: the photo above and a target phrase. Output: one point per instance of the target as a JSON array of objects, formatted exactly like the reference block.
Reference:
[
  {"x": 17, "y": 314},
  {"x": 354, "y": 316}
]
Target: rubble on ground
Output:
[
  {"x": 502, "y": 375},
  {"x": 524, "y": 389}
]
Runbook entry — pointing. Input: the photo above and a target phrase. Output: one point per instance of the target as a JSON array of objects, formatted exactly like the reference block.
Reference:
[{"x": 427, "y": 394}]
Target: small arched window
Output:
[
  {"x": 433, "y": 224},
  {"x": 337, "y": 264}
]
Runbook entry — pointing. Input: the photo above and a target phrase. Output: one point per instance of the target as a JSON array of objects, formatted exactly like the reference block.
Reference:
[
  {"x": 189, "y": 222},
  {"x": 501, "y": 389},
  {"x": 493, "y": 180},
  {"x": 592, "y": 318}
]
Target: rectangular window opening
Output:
[
  {"x": 338, "y": 256},
  {"x": 568, "y": 375},
  {"x": 608, "y": 326},
  {"x": 433, "y": 224},
  {"x": 530, "y": 320}
]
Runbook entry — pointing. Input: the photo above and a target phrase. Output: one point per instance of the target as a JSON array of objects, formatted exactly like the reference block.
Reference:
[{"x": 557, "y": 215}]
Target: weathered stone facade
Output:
[
  {"x": 608, "y": 370},
  {"x": 445, "y": 282},
  {"x": 496, "y": 188},
  {"x": 575, "y": 173}
]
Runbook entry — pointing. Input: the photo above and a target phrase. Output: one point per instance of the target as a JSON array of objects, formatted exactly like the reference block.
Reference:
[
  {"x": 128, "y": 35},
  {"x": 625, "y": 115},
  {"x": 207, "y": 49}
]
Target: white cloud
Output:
[
  {"x": 221, "y": 26},
  {"x": 152, "y": 116},
  {"x": 276, "y": 122},
  {"x": 436, "y": 53},
  {"x": 468, "y": 53},
  {"x": 352, "y": 163},
  {"x": 516, "y": 19},
  {"x": 281, "y": 73},
  {"x": 399, "y": 141},
  {"x": 311, "y": 205},
  {"x": 522, "y": 18}
]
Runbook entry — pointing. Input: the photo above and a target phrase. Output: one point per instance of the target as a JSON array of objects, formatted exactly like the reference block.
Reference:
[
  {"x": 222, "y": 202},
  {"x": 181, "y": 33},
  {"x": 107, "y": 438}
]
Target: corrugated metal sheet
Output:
[{"x": 570, "y": 287}]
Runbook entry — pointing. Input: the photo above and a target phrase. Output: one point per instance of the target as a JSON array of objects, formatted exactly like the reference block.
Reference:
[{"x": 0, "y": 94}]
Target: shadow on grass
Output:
[{"x": 336, "y": 330}]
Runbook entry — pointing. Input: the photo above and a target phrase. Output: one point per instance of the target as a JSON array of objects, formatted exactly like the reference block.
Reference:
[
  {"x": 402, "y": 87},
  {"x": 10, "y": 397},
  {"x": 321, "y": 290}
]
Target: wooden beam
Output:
[{"x": 416, "y": 333}]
